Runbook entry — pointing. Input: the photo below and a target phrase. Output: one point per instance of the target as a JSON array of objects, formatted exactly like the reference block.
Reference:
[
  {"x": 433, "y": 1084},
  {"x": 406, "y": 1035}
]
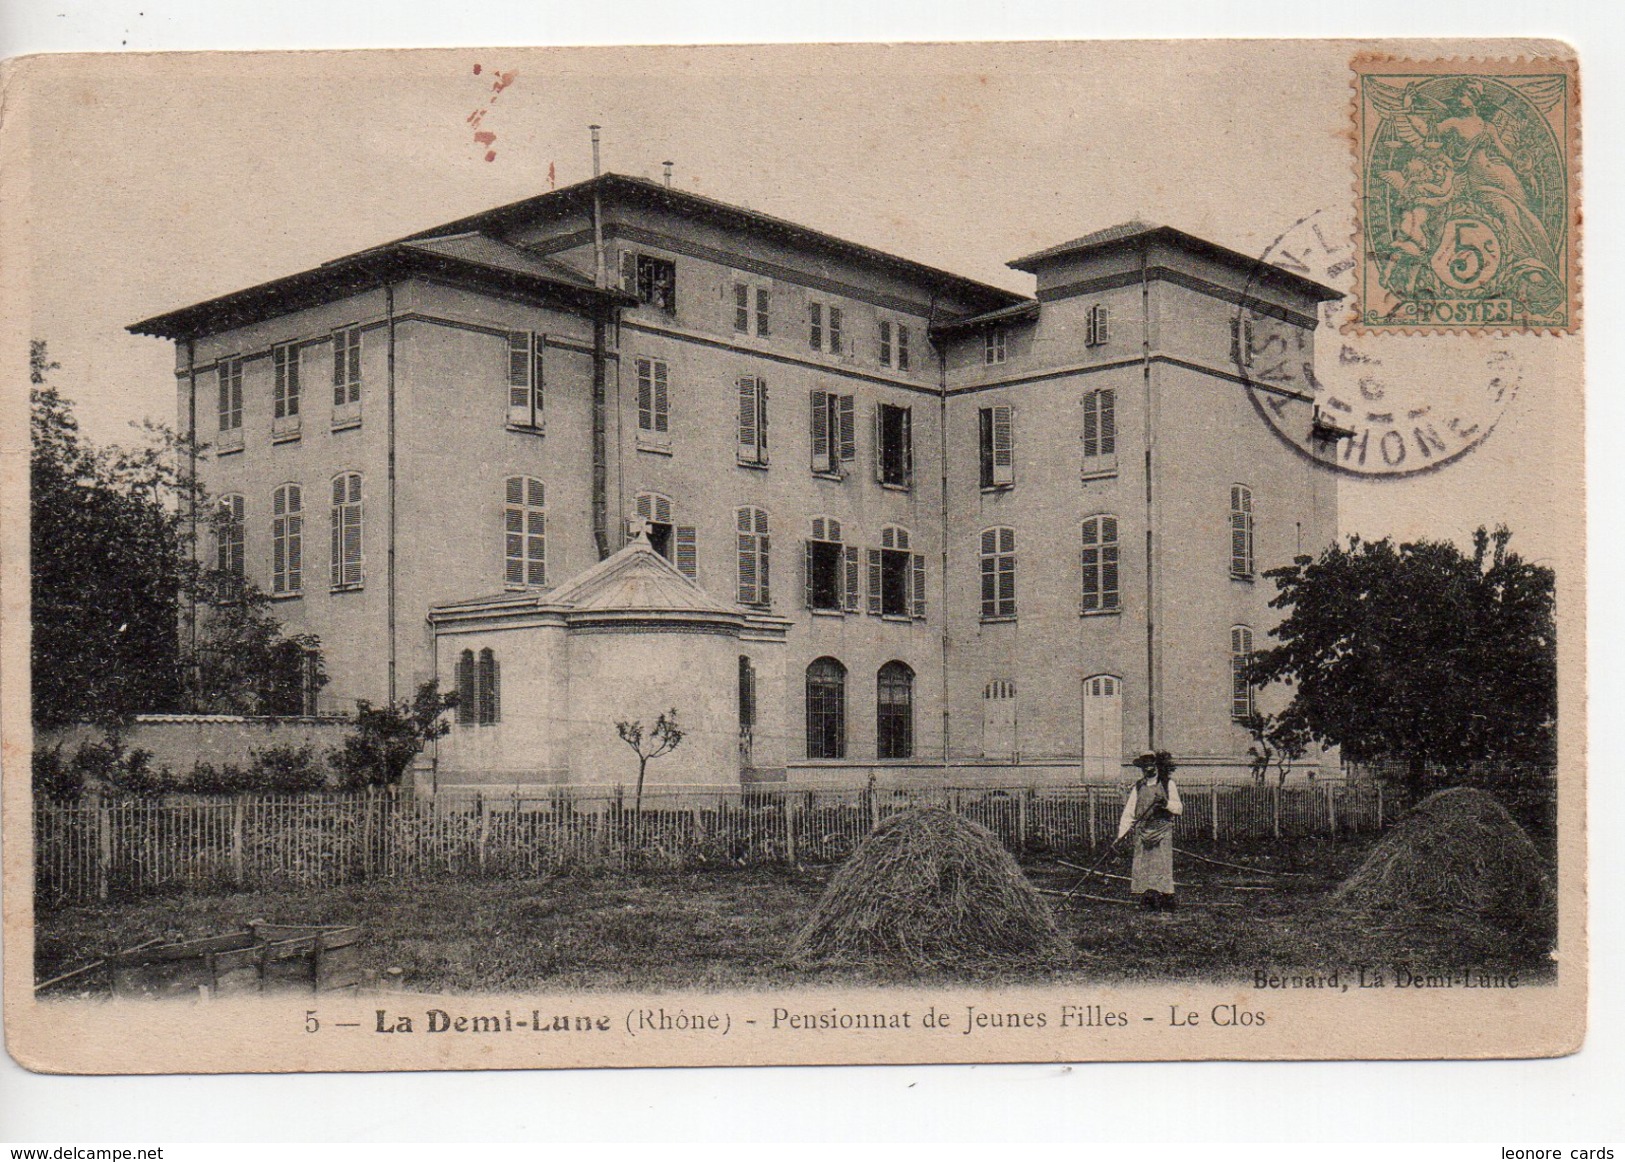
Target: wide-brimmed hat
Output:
[{"x": 1147, "y": 761}]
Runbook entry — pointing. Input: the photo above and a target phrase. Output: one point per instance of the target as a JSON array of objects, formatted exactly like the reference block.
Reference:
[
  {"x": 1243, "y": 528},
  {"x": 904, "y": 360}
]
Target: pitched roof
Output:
[
  {"x": 1028, "y": 308},
  {"x": 1137, "y": 233},
  {"x": 636, "y": 579}
]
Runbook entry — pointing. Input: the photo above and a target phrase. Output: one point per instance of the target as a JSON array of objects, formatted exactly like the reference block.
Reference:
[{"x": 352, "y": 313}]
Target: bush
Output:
[
  {"x": 226, "y": 779},
  {"x": 288, "y": 770},
  {"x": 107, "y": 767},
  {"x": 55, "y": 778}
]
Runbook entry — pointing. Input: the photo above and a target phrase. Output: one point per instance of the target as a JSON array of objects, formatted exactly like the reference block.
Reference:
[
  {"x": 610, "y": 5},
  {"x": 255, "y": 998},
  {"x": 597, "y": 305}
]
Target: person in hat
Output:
[{"x": 1153, "y": 804}]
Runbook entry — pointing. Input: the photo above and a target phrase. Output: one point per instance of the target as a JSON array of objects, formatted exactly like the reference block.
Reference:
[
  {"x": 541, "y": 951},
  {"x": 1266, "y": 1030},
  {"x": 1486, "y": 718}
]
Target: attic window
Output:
[{"x": 653, "y": 280}]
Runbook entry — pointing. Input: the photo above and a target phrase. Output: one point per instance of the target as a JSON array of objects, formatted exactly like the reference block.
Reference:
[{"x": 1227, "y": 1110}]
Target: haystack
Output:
[
  {"x": 929, "y": 889},
  {"x": 1459, "y": 851}
]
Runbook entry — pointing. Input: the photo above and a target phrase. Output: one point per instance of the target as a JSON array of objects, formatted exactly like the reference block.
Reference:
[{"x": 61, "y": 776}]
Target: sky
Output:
[{"x": 159, "y": 182}]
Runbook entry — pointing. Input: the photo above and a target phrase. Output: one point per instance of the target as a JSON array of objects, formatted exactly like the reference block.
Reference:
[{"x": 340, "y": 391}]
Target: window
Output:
[
  {"x": 751, "y": 539},
  {"x": 753, "y": 303},
  {"x": 479, "y": 695},
  {"x": 815, "y": 326},
  {"x": 287, "y": 540},
  {"x": 994, "y": 345},
  {"x": 893, "y": 345},
  {"x": 998, "y": 573},
  {"x": 525, "y": 381},
  {"x": 231, "y": 399},
  {"x": 896, "y": 577},
  {"x": 1100, "y": 585},
  {"x": 285, "y": 390},
  {"x": 747, "y": 709},
  {"x": 752, "y": 448},
  {"x": 835, "y": 330},
  {"x": 1241, "y": 690},
  {"x": 1102, "y": 728},
  {"x": 230, "y": 537},
  {"x": 654, "y": 402},
  {"x": 346, "y": 367},
  {"x": 653, "y": 280},
  {"x": 1241, "y": 531},
  {"x": 1100, "y": 431},
  {"x": 834, "y": 432},
  {"x": 826, "y": 709},
  {"x": 1097, "y": 330},
  {"x": 998, "y": 446},
  {"x": 345, "y": 558},
  {"x": 894, "y": 445},
  {"x": 829, "y": 569},
  {"x": 677, "y": 543},
  {"x": 894, "y": 711},
  {"x": 524, "y": 525}
]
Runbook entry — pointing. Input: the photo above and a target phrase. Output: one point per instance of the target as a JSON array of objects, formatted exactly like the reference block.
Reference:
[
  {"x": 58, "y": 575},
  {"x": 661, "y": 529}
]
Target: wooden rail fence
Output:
[{"x": 123, "y": 848}]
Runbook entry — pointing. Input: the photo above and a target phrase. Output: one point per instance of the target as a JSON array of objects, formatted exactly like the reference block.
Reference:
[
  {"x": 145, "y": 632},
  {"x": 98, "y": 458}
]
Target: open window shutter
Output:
[
  {"x": 749, "y": 417},
  {"x": 917, "y": 586},
  {"x": 514, "y": 532},
  {"x": 880, "y": 446},
  {"x": 496, "y": 690},
  {"x": 875, "y": 582},
  {"x": 764, "y": 311},
  {"x": 835, "y": 339},
  {"x": 1091, "y": 423},
  {"x": 807, "y": 574},
  {"x": 852, "y": 598},
  {"x": 352, "y": 536},
  {"x": 629, "y": 272},
  {"x": 239, "y": 536},
  {"x": 1108, "y": 562},
  {"x": 535, "y": 547},
  {"x": 849, "y": 435},
  {"x": 745, "y": 541},
  {"x": 538, "y": 382},
  {"x": 662, "y": 397},
  {"x": 820, "y": 432},
  {"x": 1103, "y": 332},
  {"x": 687, "y": 553},
  {"x": 764, "y": 588},
  {"x": 761, "y": 420},
  {"x": 296, "y": 552},
  {"x": 335, "y": 557},
  {"x": 908, "y": 445},
  {"x": 646, "y": 403},
  {"x": 1108, "y": 422},
  {"x": 1004, "y": 455},
  {"x": 1091, "y": 564}
]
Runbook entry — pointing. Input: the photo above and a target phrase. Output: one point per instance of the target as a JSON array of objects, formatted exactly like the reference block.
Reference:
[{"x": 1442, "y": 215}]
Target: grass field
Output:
[{"x": 728, "y": 929}]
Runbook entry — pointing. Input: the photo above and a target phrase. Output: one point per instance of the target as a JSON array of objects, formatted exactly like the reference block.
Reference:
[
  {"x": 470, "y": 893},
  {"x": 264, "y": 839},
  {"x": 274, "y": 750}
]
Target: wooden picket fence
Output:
[{"x": 125, "y": 848}]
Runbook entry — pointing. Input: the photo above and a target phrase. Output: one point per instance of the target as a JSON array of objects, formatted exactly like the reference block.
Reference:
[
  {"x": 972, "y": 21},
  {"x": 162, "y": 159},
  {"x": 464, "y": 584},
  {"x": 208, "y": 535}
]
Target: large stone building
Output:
[{"x": 620, "y": 448}]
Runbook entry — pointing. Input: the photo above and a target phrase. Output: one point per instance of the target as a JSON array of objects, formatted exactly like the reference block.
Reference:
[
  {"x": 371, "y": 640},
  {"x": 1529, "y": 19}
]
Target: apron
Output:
[{"x": 1153, "y": 841}]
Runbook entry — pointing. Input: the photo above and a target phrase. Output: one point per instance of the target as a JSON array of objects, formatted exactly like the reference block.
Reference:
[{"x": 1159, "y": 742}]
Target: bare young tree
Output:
[{"x": 662, "y": 740}]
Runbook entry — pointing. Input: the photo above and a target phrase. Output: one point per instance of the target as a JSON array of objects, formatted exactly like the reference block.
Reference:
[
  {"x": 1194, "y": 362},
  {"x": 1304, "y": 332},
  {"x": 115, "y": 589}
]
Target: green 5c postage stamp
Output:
[{"x": 1466, "y": 191}]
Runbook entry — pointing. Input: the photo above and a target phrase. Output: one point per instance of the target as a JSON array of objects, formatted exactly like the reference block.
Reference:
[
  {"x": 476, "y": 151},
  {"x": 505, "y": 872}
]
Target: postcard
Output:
[{"x": 793, "y": 554}]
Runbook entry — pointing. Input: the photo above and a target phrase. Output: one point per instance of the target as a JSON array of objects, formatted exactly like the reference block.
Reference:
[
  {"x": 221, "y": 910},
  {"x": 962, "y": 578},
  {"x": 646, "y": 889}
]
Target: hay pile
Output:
[
  {"x": 929, "y": 889},
  {"x": 1460, "y": 852}
]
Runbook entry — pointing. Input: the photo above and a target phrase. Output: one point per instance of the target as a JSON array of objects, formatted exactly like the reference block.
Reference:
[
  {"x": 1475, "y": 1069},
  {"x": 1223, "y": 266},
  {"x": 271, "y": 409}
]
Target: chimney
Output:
[
  {"x": 667, "y": 164},
  {"x": 595, "y": 168}
]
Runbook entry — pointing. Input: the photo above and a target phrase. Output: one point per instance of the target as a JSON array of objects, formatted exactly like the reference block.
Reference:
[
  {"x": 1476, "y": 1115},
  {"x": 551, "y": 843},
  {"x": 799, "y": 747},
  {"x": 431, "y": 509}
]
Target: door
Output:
[
  {"x": 1102, "y": 729},
  {"x": 999, "y": 720}
]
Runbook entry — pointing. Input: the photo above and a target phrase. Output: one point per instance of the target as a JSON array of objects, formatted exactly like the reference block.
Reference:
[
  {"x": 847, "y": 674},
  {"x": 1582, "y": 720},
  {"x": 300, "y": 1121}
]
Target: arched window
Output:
[
  {"x": 230, "y": 537},
  {"x": 1102, "y": 727},
  {"x": 751, "y": 539},
  {"x": 479, "y": 697},
  {"x": 829, "y": 569},
  {"x": 525, "y": 533},
  {"x": 1099, "y": 430},
  {"x": 1241, "y": 531},
  {"x": 998, "y": 573},
  {"x": 826, "y": 709},
  {"x": 896, "y": 576},
  {"x": 346, "y": 562},
  {"x": 1241, "y": 690},
  {"x": 287, "y": 540},
  {"x": 1099, "y": 556},
  {"x": 894, "y": 709}
]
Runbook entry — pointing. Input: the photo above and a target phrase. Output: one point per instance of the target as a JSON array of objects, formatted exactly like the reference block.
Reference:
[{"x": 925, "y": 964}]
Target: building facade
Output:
[{"x": 934, "y": 529}]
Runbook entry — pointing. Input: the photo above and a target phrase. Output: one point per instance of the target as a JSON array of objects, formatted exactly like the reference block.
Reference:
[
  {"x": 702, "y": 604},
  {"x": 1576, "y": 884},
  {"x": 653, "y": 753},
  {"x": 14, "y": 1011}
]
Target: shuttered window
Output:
[
  {"x": 653, "y": 280},
  {"x": 896, "y": 576},
  {"x": 902, "y": 347},
  {"x": 1097, "y": 330},
  {"x": 834, "y": 432},
  {"x": 741, "y": 308},
  {"x": 815, "y": 326},
  {"x": 654, "y": 400},
  {"x": 830, "y": 569},
  {"x": 479, "y": 691},
  {"x": 998, "y": 573},
  {"x": 524, "y": 533},
  {"x": 752, "y": 435},
  {"x": 346, "y": 366},
  {"x": 885, "y": 343},
  {"x": 677, "y": 543},
  {"x": 751, "y": 539},
  {"x": 525, "y": 389},
  {"x": 998, "y": 452},
  {"x": 1241, "y": 531},
  {"x": 894, "y": 445},
  {"x": 230, "y": 537},
  {"x": 467, "y": 700},
  {"x": 231, "y": 394},
  {"x": 285, "y": 381},
  {"x": 1100, "y": 554},
  {"x": 835, "y": 339},
  {"x": 1099, "y": 430},
  {"x": 287, "y": 540},
  {"x": 345, "y": 559},
  {"x": 1241, "y": 690},
  {"x": 994, "y": 345}
]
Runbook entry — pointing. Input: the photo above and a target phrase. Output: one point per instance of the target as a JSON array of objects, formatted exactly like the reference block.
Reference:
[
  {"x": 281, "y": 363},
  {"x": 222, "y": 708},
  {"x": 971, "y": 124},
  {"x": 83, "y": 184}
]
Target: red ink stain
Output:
[
  {"x": 490, "y": 155},
  {"x": 503, "y": 81},
  {"x": 476, "y": 117},
  {"x": 485, "y": 138},
  {"x": 476, "y": 69}
]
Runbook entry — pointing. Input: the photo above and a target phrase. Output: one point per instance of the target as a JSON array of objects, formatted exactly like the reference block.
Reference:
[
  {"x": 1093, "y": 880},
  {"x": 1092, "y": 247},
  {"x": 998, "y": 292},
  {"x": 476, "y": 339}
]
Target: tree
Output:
[
  {"x": 114, "y": 574},
  {"x": 1418, "y": 653},
  {"x": 1277, "y": 742},
  {"x": 662, "y": 740},
  {"x": 387, "y": 738}
]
